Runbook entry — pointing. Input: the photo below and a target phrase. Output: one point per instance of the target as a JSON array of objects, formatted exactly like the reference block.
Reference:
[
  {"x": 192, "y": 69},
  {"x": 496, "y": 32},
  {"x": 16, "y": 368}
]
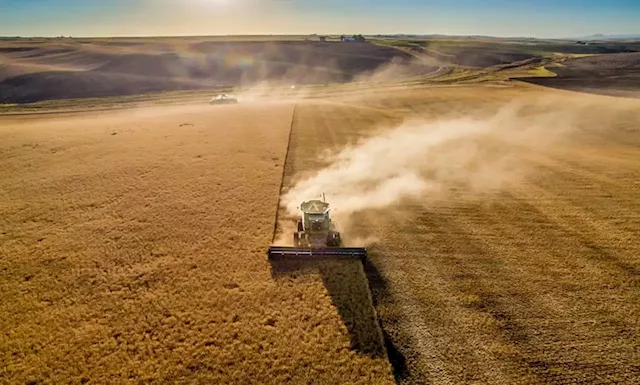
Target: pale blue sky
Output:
[{"x": 540, "y": 18}]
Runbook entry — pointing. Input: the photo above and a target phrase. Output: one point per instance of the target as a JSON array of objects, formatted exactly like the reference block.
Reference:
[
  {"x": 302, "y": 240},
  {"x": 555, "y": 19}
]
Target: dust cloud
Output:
[
  {"x": 421, "y": 160},
  {"x": 303, "y": 82}
]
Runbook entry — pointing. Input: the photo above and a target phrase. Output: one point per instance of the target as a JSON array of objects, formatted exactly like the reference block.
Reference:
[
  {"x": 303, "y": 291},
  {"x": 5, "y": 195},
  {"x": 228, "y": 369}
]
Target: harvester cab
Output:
[
  {"x": 315, "y": 228},
  {"x": 316, "y": 236}
]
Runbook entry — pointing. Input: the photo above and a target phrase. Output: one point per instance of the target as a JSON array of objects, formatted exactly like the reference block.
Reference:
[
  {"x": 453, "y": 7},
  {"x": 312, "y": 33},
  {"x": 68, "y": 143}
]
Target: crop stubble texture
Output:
[
  {"x": 344, "y": 280},
  {"x": 536, "y": 282}
]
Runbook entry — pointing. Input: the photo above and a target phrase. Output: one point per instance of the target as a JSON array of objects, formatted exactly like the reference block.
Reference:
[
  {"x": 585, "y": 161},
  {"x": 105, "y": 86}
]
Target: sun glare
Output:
[
  {"x": 210, "y": 4},
  {"x": 214, "y": 2}
]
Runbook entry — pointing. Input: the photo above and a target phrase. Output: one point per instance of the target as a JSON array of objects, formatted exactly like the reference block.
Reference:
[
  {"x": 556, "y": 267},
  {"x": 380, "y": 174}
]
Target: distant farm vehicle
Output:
[
  {"x": 223, "y": 99},
  {"x": 316, "y": 236}
]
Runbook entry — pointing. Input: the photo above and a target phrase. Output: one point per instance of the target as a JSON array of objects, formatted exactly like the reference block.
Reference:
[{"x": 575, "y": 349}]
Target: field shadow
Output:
[
  {"x": 347, "y": 286},
  {"x": 380, "y": 294}
]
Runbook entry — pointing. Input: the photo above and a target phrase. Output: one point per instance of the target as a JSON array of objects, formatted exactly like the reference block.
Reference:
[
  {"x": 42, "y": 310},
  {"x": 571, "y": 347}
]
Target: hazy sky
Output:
[{"x": 539, "y": 18}]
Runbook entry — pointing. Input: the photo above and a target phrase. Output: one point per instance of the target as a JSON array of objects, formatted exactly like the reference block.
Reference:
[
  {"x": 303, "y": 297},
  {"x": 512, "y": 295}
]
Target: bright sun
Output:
[{"x": 212, "y": 2}]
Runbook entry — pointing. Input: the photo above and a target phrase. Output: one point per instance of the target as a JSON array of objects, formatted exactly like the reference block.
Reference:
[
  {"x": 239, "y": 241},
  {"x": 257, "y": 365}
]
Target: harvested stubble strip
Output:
[{"x": 343, "y": 281}]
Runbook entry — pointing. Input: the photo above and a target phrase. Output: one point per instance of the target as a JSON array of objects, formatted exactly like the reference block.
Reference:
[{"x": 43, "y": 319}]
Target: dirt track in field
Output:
[{"x": 535, "y": 281}]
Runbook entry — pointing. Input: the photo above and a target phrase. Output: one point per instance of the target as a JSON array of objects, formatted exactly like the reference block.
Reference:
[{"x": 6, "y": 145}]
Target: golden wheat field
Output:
[
  {"x": 133, "y": 250},
  {"x": 133, "y": 241}
]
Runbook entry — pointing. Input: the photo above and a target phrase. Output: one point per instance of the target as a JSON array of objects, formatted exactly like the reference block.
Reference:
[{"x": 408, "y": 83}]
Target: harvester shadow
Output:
[
  {"x": 348, "y": 288},
  {"x": 381, "y": 295}
]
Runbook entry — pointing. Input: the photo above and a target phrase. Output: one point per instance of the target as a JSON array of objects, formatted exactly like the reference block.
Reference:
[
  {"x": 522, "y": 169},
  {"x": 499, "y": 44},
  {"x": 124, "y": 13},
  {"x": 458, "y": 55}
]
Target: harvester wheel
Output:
[{"x": 334, "y": 239}]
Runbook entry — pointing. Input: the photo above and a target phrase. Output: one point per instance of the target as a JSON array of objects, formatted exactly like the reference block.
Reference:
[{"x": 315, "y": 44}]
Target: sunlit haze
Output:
[{"x": 541, "y": 18}]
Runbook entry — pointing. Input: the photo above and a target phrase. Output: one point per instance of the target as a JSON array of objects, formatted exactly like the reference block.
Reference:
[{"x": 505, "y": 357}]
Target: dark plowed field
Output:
[
  {"x": 613, "y": 74},
  {"x": 32, "y": 72},
  {"x": 487, "y": 52}
]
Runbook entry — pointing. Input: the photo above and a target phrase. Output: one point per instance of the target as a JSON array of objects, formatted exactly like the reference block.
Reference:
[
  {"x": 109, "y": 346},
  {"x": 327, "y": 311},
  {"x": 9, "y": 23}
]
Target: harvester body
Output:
[
  {"x": 316, "y": 236},
  {"x": 315, "y": 229}
]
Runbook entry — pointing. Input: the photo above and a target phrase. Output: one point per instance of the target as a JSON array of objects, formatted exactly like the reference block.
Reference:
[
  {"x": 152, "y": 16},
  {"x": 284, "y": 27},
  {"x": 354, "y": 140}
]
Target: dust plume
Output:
[
  {"x": 397, "y": 69},
  {"x": 303, "y": 81},
  {"x": 421, "y": 160}
]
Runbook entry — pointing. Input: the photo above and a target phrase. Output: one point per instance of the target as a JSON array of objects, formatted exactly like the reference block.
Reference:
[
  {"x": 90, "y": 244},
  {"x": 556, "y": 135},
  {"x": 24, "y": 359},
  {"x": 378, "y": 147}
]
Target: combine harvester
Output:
[{"x": 316, "y": 237}]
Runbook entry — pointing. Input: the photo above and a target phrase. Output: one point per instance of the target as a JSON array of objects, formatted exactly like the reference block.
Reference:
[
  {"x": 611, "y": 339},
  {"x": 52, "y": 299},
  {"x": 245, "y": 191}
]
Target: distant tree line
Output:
[{"x": 357, "y": 37}]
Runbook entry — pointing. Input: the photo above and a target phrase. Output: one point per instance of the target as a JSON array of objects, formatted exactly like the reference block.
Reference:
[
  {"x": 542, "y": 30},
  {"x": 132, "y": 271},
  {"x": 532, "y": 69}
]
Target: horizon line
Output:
[{"x": 595, "y": 35}]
